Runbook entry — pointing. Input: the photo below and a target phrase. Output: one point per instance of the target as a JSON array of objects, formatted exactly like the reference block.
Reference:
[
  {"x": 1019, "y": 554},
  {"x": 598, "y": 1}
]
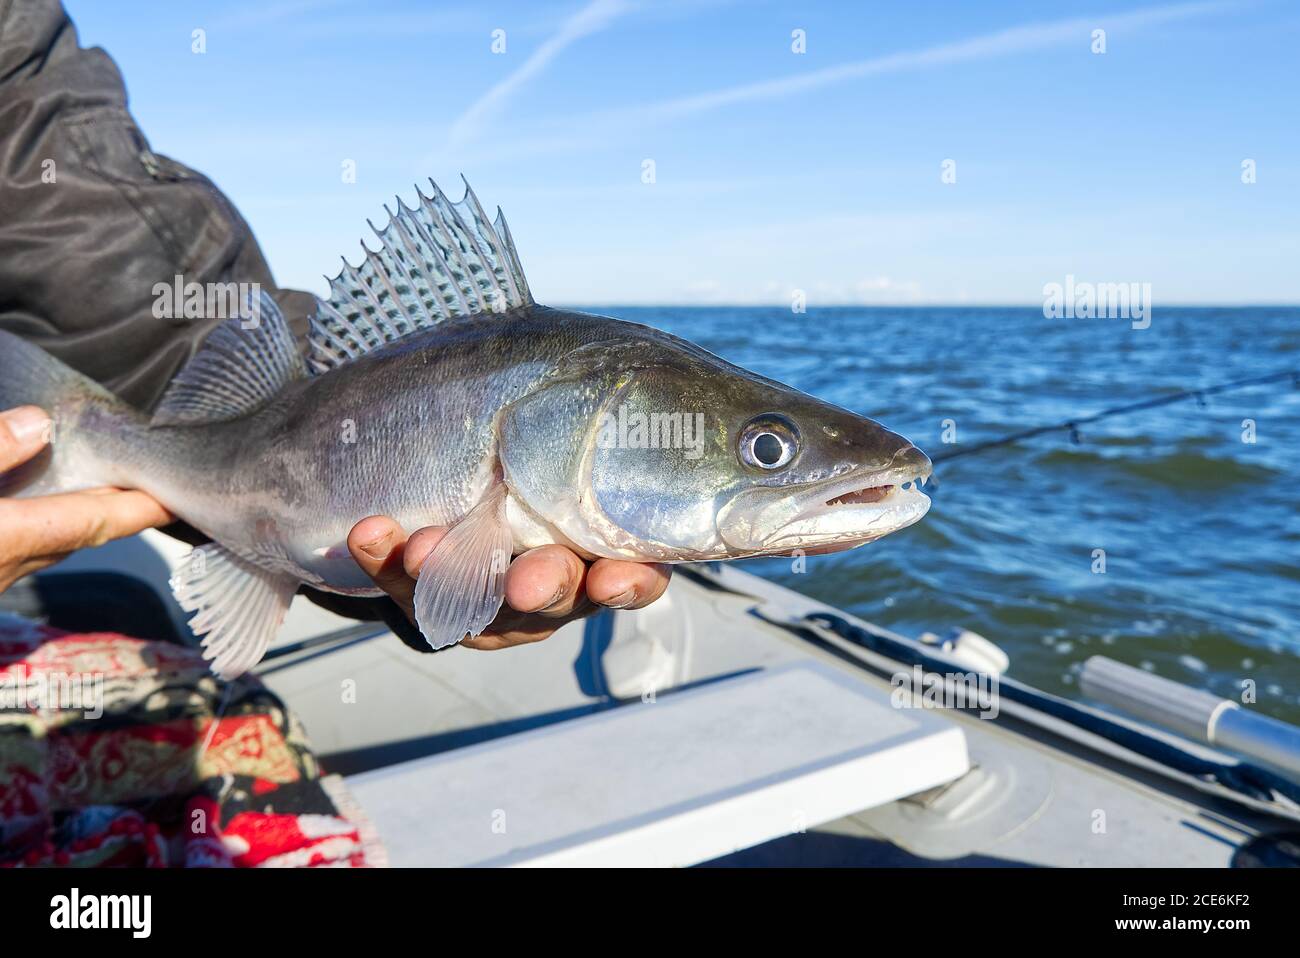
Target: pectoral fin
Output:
[
  {"x": 240, "y": 606},
  {"x": 463, "y": 581}
]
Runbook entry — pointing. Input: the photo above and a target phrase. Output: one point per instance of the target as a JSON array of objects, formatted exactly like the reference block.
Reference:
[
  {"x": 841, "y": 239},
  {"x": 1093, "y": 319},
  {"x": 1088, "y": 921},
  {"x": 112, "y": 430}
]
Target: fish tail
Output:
[{"x": 88, "y": 422}]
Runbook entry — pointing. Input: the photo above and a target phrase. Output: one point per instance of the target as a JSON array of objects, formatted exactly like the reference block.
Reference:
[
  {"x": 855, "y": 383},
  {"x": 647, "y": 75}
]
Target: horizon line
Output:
[{"x": 911, "y": 304}]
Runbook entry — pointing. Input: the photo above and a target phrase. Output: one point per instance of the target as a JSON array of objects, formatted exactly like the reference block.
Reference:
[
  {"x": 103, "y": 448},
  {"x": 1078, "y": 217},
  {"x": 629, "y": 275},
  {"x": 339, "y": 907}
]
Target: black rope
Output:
[{"x": 1072, "y": 425}]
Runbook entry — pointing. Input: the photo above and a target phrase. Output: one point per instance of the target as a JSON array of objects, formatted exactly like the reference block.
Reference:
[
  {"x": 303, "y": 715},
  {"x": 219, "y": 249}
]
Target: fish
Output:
[{"x": 435, "y": 390}]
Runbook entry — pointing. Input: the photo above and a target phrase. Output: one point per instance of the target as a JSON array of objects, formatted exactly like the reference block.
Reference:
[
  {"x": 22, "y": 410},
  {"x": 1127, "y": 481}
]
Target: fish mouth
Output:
[
  {"x": 872, "y": 494},
  {"x": 841, "y": 513},
  {"x": 859, "y": 509},
  {"x": 887, "y": 487}
]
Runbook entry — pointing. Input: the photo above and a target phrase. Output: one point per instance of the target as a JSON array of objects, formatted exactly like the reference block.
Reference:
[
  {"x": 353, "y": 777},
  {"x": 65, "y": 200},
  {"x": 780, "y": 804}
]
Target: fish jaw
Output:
[{"x": 839, "y": 513}]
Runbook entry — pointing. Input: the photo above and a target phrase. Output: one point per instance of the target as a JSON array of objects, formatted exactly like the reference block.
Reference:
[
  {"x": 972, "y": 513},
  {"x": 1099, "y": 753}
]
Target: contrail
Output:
[
  {"x": 1012, "y": 40},
  {"x": 592, "y": 18},
  {"x": 572, "y": 132}
]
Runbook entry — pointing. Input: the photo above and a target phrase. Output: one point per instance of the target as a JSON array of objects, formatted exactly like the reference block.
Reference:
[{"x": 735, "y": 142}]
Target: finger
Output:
[
  {"x": 511, "y": 628},
  {"x": 626, "y": 585},
  {"x": 418, "y": 548},
  {"x": 73, "y": 520},
  {"x": 547, "y": 580},
  {"x": 378, "y": 545},
  {"x": 24, "y": 431}
]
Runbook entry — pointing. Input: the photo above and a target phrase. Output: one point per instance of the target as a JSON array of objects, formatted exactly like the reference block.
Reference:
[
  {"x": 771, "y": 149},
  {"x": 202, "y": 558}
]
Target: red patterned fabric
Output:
[{"x": 119, "y": 751}]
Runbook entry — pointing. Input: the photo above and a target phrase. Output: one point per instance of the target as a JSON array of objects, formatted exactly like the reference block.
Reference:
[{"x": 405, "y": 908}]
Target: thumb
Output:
[{"x": 24, "y": 431}]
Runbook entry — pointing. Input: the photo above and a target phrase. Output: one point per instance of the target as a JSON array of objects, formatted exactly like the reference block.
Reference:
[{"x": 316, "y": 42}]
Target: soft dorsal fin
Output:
[
  {"x": 242, "y": 364},
  {"x": 437, "y": 261}
]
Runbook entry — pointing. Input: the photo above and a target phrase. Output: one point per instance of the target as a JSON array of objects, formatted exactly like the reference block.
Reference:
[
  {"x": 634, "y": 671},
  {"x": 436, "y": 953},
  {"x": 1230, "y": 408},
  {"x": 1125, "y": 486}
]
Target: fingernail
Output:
[
  {"x": 27, "y": 423},
  {"x": 376, "y": 548},
  {"x": 622, "y": 600}
]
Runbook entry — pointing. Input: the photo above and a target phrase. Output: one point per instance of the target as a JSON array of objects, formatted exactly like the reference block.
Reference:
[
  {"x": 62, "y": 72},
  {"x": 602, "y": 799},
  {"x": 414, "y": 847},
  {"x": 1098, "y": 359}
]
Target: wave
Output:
[{"x": 1177, "y": 470}]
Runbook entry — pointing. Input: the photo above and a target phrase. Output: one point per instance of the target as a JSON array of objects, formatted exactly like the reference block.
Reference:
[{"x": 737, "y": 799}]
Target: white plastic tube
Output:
[{"x": 1193, "y": 714}]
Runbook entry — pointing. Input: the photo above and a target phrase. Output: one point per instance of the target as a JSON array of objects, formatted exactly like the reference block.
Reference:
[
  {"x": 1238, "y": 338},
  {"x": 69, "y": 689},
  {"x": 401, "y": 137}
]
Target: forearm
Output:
[{"x": 91, "y": 219}]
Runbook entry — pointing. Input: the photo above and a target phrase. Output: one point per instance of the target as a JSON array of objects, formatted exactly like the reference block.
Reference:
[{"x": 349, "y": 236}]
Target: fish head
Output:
[
  {"x": 676, "y": 454},
  {"x": 812, "y": 476}
]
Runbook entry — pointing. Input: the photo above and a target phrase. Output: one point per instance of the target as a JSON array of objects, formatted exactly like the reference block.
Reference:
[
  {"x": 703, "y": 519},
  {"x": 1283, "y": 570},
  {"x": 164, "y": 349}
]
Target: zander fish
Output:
[{"x": 437, "y": 392}]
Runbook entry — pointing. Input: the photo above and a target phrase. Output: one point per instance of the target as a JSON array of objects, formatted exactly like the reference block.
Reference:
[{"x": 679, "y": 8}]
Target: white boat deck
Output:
[{"x": 677, "y": 780}]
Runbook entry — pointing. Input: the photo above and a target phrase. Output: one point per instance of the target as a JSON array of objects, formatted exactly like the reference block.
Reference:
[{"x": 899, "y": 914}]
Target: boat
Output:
[{"x": 737, "y": 722}]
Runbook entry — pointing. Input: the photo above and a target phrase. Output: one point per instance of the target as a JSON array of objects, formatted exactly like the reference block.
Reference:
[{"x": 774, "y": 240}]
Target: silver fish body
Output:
[{"x": 517, "y": 425}]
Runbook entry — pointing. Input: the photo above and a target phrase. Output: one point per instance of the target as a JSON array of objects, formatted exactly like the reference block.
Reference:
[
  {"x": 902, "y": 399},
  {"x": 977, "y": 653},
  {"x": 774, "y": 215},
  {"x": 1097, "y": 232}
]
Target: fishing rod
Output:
[{"x": 1072, "y": 425}]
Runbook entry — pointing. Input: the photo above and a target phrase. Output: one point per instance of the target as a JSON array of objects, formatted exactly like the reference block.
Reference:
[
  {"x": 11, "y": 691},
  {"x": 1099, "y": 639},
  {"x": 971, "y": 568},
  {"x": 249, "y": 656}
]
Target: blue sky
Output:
[{"x": 774, "y": 171}]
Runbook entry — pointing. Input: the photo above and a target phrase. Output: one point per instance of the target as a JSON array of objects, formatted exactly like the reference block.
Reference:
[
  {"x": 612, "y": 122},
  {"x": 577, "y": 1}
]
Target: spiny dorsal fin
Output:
[
  {"x": 437, "y": 261},
  {"x": 242, "y": 364}
]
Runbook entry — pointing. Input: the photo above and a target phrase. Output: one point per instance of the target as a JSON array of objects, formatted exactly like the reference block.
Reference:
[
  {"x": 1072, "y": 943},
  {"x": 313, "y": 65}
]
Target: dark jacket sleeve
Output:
[{"x": 91, "y": 219}]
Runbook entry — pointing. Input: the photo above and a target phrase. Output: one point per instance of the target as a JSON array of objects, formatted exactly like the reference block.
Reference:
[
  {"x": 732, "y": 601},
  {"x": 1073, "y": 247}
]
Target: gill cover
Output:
[
  {"x": 629, "y": 459},
  {"x": 618, "y": 453},
  {"x": 543, "y": 445}
]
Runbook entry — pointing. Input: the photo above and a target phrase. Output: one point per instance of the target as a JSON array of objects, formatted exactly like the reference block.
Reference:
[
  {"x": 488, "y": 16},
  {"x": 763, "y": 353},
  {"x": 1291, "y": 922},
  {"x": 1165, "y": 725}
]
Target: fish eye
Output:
[{"x": 769, "y": 442}]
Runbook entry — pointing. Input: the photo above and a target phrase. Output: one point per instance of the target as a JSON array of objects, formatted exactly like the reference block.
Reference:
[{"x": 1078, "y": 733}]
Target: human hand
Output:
[
  {"x": 545, "y": 587},
  {"x": 38, "y": 532}
]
